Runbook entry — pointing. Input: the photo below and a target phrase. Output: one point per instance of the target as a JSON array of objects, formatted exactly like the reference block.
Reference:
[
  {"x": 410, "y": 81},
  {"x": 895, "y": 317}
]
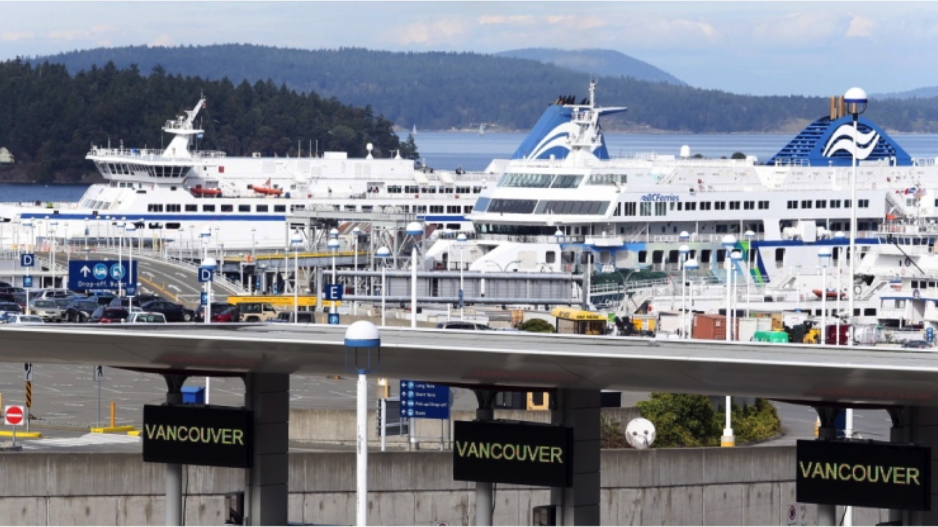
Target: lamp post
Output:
[
  {"x": 736, "y": 257},
  {"x": 120, "y": 253},
  {"x": 383, "y": 254},
  {"x": 356, "y": 232},
  {"x": 362, "y": 338},
  {"x": 855, "y": 98},
  {"x": 729, "y": 243},
  {"x": 461, "y": 242},
  {"x": 684, "y": 251},
  {"x": 824, "y": 258},
  {"x": 296, "y": 241},
  {"x": 131, "y": 229},
  {"x": 52, "y": 228},
  {"x": 28, "y": 224},
  {"x": 749, "y": 258},
  {"x": 333, "y": 247},
  {"x": 691, "y": 265},
  {"x": 839, "y": 237},
  {"x": 211, "y": 265},
  {"x": 413, "y": 229}
]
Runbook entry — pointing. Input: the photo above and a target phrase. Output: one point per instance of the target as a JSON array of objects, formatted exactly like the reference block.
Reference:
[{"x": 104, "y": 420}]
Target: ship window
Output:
[
  {"x": 512, "y": 206},
  {"x": 173, "y": 207},
  {"x": 481, "y": 204},
  {"x": 452, "y": 209},
  {"x": 779, "y": 256},
  {"x": 208, "y": 208},
  {"x": 719, "y": 205},
  {"x": 806, "y": 203},
  {"x": 567, "y": 182},
  {"x": 526, "y": 180},
  {"x": 734, "y": 205},
  {"x": 792, "y": 204},
  {"x": 436, "y": 209},
  {"x": 412, "y": 189},
  {"x": 262, "y": 208},
  {"x": 704, "y": 205},
  {"x": 763, "y": 205},
  {"x": 846, "y": 203},
  {"x": 280, "y": 208},
  {"x": 661, "y": 208},
  {"x": 244, "y": 208},
  {"x": 192, "y": 208},
  {"x": 446, "y": 190},
  {"x": 642, "y": 256},
  {"x": 835, "y": 203},
  {"x": 721, "y": 229},
  {"x": 422, "y": 209},
  {"x": 476, "y": 190},
  {"x": 630, "y": 208},
  {"x": 431, "y": 190},
  {"x": 749, "y": 205},
  {"x": 462, "y": 190},
  {"x": 820, "y": 204},
  {"x": 155, "y": 207},
  {"x": 644, "y": 209},
  {"x": 863, "y": 203},
  {"x": 394, "y": 189},
  {"x": 227, "y": 208},
  {"x": 690, "y": 205},
  {"x": 603, "y": 179}
]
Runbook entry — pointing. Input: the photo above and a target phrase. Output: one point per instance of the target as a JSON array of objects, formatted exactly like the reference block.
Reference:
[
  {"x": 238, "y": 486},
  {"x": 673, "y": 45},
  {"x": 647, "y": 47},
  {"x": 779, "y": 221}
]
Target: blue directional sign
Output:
[
  {"x": 423, "y": 400},
  {"x": 203, "y": 299},
  {"x": 460, "y": 298},
  {"x": 333, "y": 292},
  {"x": 97, "y": 275},
  {"x": 27, "y": 281},
  {"x": 334, "y": 319},
  {"x": 930, "y": 334},
  {"x": 205, "y": 274},
  {"x": 131, "y": 290},
  {"x": 27, "y": 260}
]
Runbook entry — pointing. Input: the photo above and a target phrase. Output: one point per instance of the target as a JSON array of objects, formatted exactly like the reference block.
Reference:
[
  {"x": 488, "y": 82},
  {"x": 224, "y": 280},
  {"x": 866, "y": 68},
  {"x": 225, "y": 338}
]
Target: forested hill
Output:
[
  {"x": 49, "y": 119},
  {"x": 436, "y": 90},
  {"x": 600, "y": 62}
]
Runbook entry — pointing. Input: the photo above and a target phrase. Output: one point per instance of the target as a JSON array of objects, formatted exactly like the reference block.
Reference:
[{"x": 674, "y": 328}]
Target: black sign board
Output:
[
  {"x": 198, "y": 435},
  {"x": 518, "y": 453},
  {"x": 864, "y": 474}
]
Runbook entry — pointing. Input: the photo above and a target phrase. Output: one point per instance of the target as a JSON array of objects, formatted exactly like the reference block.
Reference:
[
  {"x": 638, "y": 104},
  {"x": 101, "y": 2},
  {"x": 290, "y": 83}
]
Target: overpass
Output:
[{"x": 577, "y": 367}]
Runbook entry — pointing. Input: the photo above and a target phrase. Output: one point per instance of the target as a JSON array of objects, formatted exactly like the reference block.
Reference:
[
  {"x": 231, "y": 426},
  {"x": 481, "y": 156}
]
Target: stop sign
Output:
[{"x": 13, "y": 415}]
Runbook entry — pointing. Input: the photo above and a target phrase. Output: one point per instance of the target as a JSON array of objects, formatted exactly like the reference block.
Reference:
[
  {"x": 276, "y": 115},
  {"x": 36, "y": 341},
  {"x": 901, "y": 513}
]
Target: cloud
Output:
[
  {"x": 796, "y": 30},
  {"x": 577, "y": 22},
  {"x": 445, "y": 31},
  {"x": 163, "y": 40},
  {"x": 13, "y": 36},
  {"x": 860, "y": 27},
  {"x": 486, "y": 20},
  {"x": 78, "y": 34}
]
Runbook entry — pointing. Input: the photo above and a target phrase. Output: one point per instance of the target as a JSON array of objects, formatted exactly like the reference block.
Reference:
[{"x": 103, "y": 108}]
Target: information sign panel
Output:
[
  {"x": 423, "y": 400},
  {"x": 866, "y": 474},
  {"x": 98, "y": 275},
  {"x": 517, "y": 453},
  {"x": 192, "y": 435}
]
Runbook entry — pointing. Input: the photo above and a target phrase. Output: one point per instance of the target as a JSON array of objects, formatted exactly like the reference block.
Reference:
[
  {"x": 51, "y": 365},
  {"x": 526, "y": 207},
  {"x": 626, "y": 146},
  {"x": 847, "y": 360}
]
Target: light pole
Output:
[
  {"x": 856, "y": 104},
  {"x": 86, "y": 235},
  {"x": 120, "y": 255},
  {"x": 296, "y": 241},
  {"x": 362, "y": 339},
  {"x": 737, "y": 258},
  {"x": 413, "y": 229},
  {"x": 333, "y": 247},
  {"x": 131, "y": 229},
  {"x": 205, "y": 235},
  {"x": 211, "y": 265},
  {"x": 684, "y": 251},
  {"x": 383, "y": 254},
  {"x": 558, "y": 235},
  {"x": 461, "y": 242},
  {"x": 824, "y": 258},
  {"x": 28, "y": 224},
  {"x": 691, "y": 265},
  {"x": 749, "y": 260},
  {"x": 839, "y": 237},
  {"x": 729, "y": 243},
  {"x": 356, "y": 232},
  {"x": 52, "y": 228}
]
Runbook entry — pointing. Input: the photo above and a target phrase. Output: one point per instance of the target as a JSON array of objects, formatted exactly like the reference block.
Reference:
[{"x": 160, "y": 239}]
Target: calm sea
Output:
[{"x": 470, "y": 151}]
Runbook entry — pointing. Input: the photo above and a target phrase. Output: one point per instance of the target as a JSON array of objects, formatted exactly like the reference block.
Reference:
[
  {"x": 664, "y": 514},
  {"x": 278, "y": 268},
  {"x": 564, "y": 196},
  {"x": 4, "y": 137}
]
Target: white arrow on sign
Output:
[{"x": 85, "y": 271}]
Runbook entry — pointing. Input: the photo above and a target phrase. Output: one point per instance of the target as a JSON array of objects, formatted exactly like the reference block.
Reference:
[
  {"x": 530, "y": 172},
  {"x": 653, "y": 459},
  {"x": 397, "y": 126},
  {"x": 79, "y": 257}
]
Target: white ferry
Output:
[
  {"x": 562, "y": 195},
  {"x": 174, "y": 193}
]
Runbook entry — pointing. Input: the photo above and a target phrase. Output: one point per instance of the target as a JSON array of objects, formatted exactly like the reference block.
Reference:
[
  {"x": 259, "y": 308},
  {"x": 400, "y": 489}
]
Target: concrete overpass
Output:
[{"x": 904, "y": 381}]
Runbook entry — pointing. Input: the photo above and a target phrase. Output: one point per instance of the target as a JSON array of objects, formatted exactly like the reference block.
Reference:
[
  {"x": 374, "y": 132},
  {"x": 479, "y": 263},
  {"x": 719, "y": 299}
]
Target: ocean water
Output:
[{"x": 470, "y": 151}]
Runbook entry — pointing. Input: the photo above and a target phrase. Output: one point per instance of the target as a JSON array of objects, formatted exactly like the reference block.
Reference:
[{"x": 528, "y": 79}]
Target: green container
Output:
[{"x": 770, "y": 336}]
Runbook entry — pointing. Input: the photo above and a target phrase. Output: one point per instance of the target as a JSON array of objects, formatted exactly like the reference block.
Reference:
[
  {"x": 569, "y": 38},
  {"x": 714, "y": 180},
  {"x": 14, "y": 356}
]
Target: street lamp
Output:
[
  {"x": 362, "y": 338},
  {"x": 413, "y": 229},
  {"x": 749, "y": 258},
  {"x": 461, "y": 242},
  {"x": 120, "y": 255},
  {"x": 691, "y": 265},
  {"x": 737, "y": 258},
  {"x": 356, "y": 232},
  {"x": 131, "y": 229},
  {"x": 383, "y": 254},
  {"x": 824, "y": 256},
  {"x": 839, "y": 238},
  {"x": 855, "y": 98},
  {"x": 205, "y": 235},
  {"x": 729, "y": 243},
  {"x": 296, "y": 241},
  {"x": 684, "y": 251},
  {"x": 211, "y": 265},
  {"x": 28, "y": 224},
  {"x": 333, "y": 247},
  {"x": 52, "y": 228}
]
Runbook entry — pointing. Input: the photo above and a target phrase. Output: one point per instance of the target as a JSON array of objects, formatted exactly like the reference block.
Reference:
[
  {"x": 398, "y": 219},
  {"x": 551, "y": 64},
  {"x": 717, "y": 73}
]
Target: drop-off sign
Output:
[{"x": 92, "y": 274}]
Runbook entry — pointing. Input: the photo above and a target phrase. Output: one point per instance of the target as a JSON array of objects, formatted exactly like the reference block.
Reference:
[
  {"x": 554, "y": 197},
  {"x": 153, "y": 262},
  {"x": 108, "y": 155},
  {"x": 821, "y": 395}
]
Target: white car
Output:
[
  {"x": 23, "y": 319},
  {"x": 142, "y": 317}
]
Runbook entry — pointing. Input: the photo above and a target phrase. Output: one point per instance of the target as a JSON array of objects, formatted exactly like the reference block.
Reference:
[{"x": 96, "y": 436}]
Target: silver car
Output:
[{"x": 48, "y": 309}]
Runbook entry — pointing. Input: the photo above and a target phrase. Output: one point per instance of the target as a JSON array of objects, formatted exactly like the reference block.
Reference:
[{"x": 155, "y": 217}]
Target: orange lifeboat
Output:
[
  {"x": 831, "y": 293},
  {"x": 266, "y": 189},
  {"x": 199, "y": 191}
]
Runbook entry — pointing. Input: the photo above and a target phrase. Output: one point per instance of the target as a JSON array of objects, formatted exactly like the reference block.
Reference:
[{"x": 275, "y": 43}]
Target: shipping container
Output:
[{"x": 709, "y": 327}]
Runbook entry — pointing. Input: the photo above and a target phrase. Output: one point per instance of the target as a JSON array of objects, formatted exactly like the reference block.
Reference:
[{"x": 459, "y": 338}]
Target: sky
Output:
[{"x": 759, "y": 48}]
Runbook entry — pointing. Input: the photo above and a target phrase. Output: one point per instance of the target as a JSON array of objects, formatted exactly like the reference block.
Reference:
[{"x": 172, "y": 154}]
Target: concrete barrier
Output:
[{"x": 708, "y": 486}]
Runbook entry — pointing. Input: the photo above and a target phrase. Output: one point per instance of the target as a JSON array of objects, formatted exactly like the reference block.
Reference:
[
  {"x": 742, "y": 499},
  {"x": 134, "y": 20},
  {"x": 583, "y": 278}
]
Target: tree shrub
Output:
[{"x": 536, "y": 325}]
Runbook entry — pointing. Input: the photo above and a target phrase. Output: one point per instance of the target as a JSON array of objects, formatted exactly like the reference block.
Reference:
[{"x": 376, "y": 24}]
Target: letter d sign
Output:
[
  {"x": 205, "y": 274},
  {"x": 27, "y": 260}
]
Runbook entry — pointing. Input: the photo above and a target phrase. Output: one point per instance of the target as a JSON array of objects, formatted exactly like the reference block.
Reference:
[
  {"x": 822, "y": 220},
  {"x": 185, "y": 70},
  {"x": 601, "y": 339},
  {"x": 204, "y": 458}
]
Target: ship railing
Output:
[
  {"x": 520, "y": 238},
  {"x": 124, "y": 152}
]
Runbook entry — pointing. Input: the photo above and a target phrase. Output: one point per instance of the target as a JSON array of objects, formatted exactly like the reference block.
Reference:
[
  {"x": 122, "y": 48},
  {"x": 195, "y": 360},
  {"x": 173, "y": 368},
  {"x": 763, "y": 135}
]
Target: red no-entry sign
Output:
[{"x": 13, "y": 415}]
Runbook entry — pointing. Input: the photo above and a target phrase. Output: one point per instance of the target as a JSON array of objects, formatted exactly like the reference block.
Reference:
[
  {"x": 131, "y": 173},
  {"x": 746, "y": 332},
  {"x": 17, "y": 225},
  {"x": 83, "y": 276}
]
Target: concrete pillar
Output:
[
  {"x": 826, "y": 514},
  {"x": 174, "y": 470},
  {"x": 267, "y": 395},
  {"x": 485, "y": 412},
  {"x": 921, "y": 426},
  {"x": 580, "y": 410}
]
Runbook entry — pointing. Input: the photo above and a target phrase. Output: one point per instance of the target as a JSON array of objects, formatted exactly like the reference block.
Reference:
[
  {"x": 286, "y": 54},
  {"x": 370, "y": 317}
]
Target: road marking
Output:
[
  {"x": 85, "y": 440},
  {"x": 160, "y": 289}
]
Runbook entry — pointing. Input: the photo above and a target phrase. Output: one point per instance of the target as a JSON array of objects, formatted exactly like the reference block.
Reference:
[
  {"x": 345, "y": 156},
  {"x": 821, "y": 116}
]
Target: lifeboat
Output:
[
  {"x": 831, "y": 293},
  {"x": 199, "y": 191},
  {"x": 266, "y": 189}
]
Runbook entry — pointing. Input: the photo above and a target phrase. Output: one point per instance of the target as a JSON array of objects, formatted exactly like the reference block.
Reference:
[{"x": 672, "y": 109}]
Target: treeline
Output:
[
  {"x": 436, "y": 90},
  {"x": 49, "y": 118}
]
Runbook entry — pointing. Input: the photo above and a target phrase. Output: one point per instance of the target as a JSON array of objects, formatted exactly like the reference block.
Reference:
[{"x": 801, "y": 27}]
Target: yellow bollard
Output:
[
  {"x": 817, "y": 427},
  {"x": 113, "y": 414}
]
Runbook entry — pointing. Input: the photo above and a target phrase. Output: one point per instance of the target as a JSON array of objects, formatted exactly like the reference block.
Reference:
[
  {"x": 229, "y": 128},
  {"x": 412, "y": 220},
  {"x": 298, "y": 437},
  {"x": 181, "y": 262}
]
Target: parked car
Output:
[
  {"x": 917, "y": 344},
  {"x": 173, "y": 312},
  {"x": 257, "y": 311},
  {"x": 21, "y": 319},
  {"x": 220, "y": 313},
  {"x": 109, "y": 315},
  {"x": 303, "y": 317},
  {"x": 55, "y": 293},
  {"x": 143, "y": 317},
  {"x": 12, "y": 290},
  {"x": 102, "y": 299},
  {"x": 47, "y": 308},
  {"x": 131, "y": 303},
  {"x": 80, "y": 310},
  {"x": 463, "y": 325},
  {"x": 10, "y": 307}
]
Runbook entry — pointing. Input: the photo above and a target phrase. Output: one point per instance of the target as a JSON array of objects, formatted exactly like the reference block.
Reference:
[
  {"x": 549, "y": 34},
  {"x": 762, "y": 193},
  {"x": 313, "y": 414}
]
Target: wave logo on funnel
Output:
[{"x": 842, "y": 139}]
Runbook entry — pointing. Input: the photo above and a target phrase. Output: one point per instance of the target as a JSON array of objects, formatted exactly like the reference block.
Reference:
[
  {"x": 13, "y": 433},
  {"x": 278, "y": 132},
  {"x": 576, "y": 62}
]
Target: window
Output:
[
  {"x": 661, "y": 208},
  {"x": 846, "y": 203},
  {"x": 820, "y": 204},
  {"x": 436, "y": 209},
  {"x": 227, "y": 208},
  {"x": 571, "y": 207},
  {"x": 412, "y": 189},
  {"x": 763, "y": 205},
  {"x": 567, "y": 182},
  {"x": 173, "y": 207},
  {"x": 792, "y": 204},
  {"x": 155, "y": 207},
  {"x": 704, "y": 205},
  {"x": 526, "y": 180},
  {"x": 280, "y": 208},
  {"x": 452, "y": 209},
  {"x": 512, "y": 206},
  {"x": 262, "y": 208},
  {"x": 690, "y": 205},
  {"x": 749, "y": 205},
  {"x": 244, "y": 208},
  {"x": 835, "y": 203},
  {"x": 467, "y": 209},
  {"x": 394, "y": 189},
  {"x": 642, "y": 256},
  {"x": 721, "y": 229},
  {"x": 208, "y": 208},
  {"x": 719, "y": 205},
  {"x": 645, "y": 209},
  {"x": 192, "y": 208},
  {"x": 734, "y": 205},
  {"x": 629, "y": 208},
  {"x": 806, "y": 203},
  {"x": 863, "y": 203}
]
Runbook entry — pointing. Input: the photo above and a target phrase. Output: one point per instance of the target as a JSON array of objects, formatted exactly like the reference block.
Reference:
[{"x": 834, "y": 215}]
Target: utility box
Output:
[
  {"x": 193, "y": 395},
  {"x": 544, "y": 515}
]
